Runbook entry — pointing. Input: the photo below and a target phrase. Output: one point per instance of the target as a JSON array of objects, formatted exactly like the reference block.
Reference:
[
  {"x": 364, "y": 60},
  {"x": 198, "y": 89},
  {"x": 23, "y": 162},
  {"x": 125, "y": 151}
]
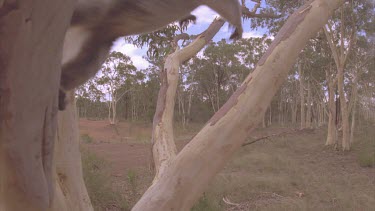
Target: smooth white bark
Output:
[{"x": 193, "y": 168}]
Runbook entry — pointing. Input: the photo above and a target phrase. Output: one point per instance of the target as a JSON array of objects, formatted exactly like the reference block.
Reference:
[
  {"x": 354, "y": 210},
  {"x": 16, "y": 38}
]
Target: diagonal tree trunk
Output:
[
  {"x": 163, "y": 145},
  {"x": 193, "y": 168}
]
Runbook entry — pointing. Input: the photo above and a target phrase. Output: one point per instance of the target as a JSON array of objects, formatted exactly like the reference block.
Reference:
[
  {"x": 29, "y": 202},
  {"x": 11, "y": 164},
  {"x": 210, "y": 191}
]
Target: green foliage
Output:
[
  {"x": 159, "y": 42},
  {"x": 98, "y": 183},
  {"x": 86, "y": 138},
  {"x": 132, "y": 180},
  {"x": 132, "y": 176},
  {"x": 206, "y": 204},
  {"x": 367, "y": 159}
]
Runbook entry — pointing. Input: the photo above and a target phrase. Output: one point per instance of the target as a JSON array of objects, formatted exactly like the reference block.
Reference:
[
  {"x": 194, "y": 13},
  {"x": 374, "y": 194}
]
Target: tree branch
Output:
[
  {"x": 182, "y": 36},
  {"x": 329, "y": 36},
  {"x": 246, "y": 13},
  {"x": 269, "y": 136}
]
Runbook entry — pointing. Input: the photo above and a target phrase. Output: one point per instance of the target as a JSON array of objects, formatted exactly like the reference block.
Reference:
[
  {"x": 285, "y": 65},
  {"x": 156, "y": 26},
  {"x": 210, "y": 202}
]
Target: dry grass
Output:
[
  {"x": 292, "y": 172},
  {"x": 295, "y": 172},
  {"x": 99, "y": 184}
]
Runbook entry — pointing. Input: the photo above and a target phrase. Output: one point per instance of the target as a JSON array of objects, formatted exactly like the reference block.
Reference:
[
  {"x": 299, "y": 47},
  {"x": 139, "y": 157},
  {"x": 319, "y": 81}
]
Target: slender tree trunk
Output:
[
  {"x": 344, "y": 111},
  {"x": 114, "y": 103},
  {"x": 280, "y": 113},
  {"x": 340, "y": 57},
  {"x": 353, "y": 107},
  {"x": 217, "y": 89},
  {"x": 331, "y": 133},
  {"x": 163, "y": 146},
  {"x": 183, "y": 113},
  {"x": 264, "y": 121},
  {"x": 212, "y": 102},
  {"x": 179, "y": 103},
  {"x": 353, "y": 124},
  {"x": 294, "y": 109},
  {"x": 109, "y": 110},
  {"x": 302, "y": 96},
  {"x": 190, "y": 172},
  {"x": 309, "y": 110},
  {"x": 189, "y": 106},
  {"x": 322, "y": 113},
  {"x": 270, "y": 116}
]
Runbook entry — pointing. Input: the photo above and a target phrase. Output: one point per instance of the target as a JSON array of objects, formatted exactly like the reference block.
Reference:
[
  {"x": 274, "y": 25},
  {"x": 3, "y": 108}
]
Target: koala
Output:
[{"x": 96, "y": 24}]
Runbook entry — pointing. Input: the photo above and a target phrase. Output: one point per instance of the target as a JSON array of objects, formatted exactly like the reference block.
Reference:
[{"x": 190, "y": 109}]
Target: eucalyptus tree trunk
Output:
[
  {"x": 189, "y": 106},
  {"x": 294, "y": 109},
  {"x": 270, "y": 115},
  {"x": 353, "y": 119},
  {"x": 163, "y": 145},
  {"x": 344, "y": 110},
  {"x": 181, "y": 103},
  {"x": 70, "y": 191},
  {"x": 353, "y": 102},
  {"x": 264, "y": 121},
  {"x": 31, "y": 41},
  {"x": 280, "y": 112},
  {"x": 340, "y": 57},
  {"x": 309, "y": 109},
  {"x": 190, "y": 172},
  {"x": 302, "y": 96},
  {"x": 322, "y": 113},
  {"x": 331, "y": 133}
]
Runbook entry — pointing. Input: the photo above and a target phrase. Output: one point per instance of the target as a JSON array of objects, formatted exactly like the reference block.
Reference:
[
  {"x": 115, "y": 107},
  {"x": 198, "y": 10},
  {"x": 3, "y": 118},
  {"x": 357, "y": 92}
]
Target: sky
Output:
[{"x": 204, "y": 15}]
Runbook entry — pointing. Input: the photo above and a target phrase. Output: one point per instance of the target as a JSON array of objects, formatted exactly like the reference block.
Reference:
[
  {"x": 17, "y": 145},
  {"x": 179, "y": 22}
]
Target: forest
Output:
[
  {"x": 280, "y": 119},
  {"x": 327, "y": 98},
  {"x": 336, "y": 64}
]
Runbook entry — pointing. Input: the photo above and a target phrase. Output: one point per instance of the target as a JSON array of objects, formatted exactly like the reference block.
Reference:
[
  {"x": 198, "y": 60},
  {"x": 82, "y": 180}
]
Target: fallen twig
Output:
[
  {"x": 269, "y": 136},
  {"x": 226, "y": 201}
]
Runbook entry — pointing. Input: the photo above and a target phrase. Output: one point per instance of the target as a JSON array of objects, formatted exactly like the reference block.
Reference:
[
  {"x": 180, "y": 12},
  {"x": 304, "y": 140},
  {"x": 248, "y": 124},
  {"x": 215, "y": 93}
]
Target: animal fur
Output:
[{"x": 95, "y": 24}]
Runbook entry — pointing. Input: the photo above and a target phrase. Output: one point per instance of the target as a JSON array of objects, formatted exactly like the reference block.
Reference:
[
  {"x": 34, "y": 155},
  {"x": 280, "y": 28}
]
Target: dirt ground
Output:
[{"x": 293, "y": 171}]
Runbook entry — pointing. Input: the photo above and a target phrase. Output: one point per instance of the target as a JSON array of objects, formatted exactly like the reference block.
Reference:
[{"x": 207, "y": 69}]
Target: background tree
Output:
[{"x": 114, "y": 75}]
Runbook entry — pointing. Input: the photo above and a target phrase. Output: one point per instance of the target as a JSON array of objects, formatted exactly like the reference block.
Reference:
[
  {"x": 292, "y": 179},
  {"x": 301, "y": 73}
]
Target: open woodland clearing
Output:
[
  {"x": 276, "y": 112},
  {"x": 292, "y": 171}
]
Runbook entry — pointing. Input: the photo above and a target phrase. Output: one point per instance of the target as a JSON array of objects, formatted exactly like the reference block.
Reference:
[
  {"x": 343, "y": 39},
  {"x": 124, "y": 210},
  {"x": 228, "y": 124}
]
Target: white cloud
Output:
[
  {"x": 251, "y": 34},
  {"x": 127, "y": 49},
  {"x": 224, "y": 29},
  {"x": 204, "y": 15},
  {"x": 140, "y": 62},
  {"x": 132, "y": 51}
]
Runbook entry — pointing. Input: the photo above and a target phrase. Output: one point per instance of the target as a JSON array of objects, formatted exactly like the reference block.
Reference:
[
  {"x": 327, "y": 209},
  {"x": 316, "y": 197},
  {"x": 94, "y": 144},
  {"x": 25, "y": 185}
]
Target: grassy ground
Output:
[
  {"x": 290, "y": 172},
  {"x": 96, "y": 174},
  {"x": 296, "y": 172}
]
